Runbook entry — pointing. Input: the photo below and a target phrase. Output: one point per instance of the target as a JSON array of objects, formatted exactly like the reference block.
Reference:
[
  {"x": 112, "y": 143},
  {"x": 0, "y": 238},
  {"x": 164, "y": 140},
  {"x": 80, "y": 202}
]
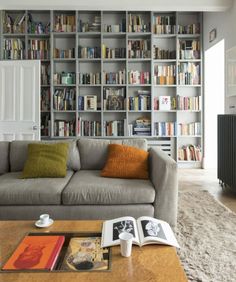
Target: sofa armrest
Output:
[{"x": 164, "y": 176}]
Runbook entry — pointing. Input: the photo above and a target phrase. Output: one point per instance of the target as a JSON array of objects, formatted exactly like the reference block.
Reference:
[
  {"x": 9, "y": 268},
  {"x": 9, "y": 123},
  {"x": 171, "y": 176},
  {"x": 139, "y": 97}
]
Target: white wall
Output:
[
  {"x": 225, "y": 24},
  {"x": 215, "y": 101}
]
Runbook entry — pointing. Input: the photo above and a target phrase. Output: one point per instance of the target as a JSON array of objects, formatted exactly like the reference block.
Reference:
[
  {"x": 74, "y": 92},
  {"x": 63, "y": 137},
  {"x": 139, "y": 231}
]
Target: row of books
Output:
[
  {"x": 114, "y": 128},
  {"x": 11, "y": 25},
  {"x": 115, "y": 27},
  {"x": 189, "y": 74},
  {"x": 193, "y": 128},
  {"x": 160, "y": 54},
  {"x": 139, "y": 77},
  {"x": 63, "y": 128},
  {"x": 165, "y": 128},
  {"x": 114, "y": 77},
  {"x": 139, "y": 103},
  {"x": 93, "y": 26},
  {"x": 190, "y": 153},
  {"x": 113, "y": 99},
  {"x": 112, "y": 53},
  {"x": 89, "y": 52},
  {"x": 141, "y": 127},
  {"x": 189, "y": 29},
  {"x": 189, "y": 49},
  {"x": 64, "y": 23},
  {"x": 189, "y": 103},
  {"x": 164, "y": 29},
  {"x": 45, "y": 99},
  {"x": 64, "y": 78},
  {"x": 38, "y": 49},
  {"x": 136, "y": 23},
  {"x": 89, "y": 128},
  {"x": 164, "y": 103},
  {"x": 164, "y": 74},
  {"x": 45, "y": 74},
  {"x": 139, "y": 49},
  {"x": 88, "y": 103},
  {"x": 68, "y": 53},
  {"x": 14, "y": 49},
  {"x": 89, "y": 78},
  {"x": 64, "y": 99}
]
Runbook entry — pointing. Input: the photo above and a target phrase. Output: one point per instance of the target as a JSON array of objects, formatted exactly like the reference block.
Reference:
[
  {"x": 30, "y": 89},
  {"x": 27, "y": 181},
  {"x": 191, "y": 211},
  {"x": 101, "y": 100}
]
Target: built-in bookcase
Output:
[{"x": 115, "y": 73}]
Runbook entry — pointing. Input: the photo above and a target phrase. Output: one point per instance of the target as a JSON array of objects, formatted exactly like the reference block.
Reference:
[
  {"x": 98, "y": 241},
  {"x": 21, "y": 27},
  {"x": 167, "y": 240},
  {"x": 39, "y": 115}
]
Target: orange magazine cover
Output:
[{"x": 35, "y": 252}]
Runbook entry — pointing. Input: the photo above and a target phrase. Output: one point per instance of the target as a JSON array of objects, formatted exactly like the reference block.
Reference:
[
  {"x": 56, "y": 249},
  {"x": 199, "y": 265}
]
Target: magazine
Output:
[{"x": 146, "y": 230}]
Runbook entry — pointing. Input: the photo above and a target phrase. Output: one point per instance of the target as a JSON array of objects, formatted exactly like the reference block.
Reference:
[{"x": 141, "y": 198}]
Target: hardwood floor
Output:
[{"x": 206, "y": 179}]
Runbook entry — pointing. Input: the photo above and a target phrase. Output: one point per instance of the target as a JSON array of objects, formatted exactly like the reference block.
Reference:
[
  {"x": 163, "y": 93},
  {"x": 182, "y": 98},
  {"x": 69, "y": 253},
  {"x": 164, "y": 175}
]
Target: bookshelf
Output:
[{"x": 110, "y": 73}]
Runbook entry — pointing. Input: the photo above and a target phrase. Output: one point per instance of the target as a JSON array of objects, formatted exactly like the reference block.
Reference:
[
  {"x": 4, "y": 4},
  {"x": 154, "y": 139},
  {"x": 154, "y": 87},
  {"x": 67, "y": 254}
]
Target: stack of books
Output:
[
  {"x": 89, "y": 52},
  {"x": 45, "y": 74},
  {"x": 164, "y": 24},
  {"x": 69, "y": 53},
  {"x": 165, "y": 129},
  {"x": 189, "y": 103},
  {"x": 64, "y": 128},
  {"x": 164, "y": 74},
  {"x": 189, "y": 74},
  {"x": 16, "y": 25},
  {"x": 64, "y": 23},
  {"x": 190, "y": 153},
  {"x": 136, "y": 23},
  {"x": 113, "y": 99},
  {"x": 64, "y": 99},
  {"x": 89, "y": 78},
  {"x": 193, "y": 128},
  {"x": 14, "y": 49},
  {"x": 141, "y": 127},
  {"x": 114, "y": 77},
  {"x": 45, "y": 99},
  {"x": 112, "y": 53},
  {"x": 89, "y": 128},
  {"x": 160, "y": 54},
  {"x": 189, "y": 49},
  {"x": 139, "y": 49},
  {"x": 114, "y": 128},
  {"x": 189, "y": 29},
  {"x": 39, "y": 49},
  {"x": 94, "y": 26},
  {"x": 139, "y": 77}
]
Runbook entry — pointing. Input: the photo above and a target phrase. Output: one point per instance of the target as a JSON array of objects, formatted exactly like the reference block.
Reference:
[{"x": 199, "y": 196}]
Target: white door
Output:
[{"x": 19, "y": 100}]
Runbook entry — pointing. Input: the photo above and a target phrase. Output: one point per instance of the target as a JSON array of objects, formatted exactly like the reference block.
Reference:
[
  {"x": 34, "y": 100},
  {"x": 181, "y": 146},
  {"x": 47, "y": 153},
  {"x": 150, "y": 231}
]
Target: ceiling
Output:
[{"x": 133, "y": 5}]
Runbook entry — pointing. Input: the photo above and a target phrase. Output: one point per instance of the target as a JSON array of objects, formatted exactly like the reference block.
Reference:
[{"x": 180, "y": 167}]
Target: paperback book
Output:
[{"x": 145, "y": 230}]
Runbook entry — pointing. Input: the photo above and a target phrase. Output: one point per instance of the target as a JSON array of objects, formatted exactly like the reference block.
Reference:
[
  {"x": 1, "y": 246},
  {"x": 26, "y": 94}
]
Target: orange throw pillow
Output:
[{"x": 126, "y": 162}]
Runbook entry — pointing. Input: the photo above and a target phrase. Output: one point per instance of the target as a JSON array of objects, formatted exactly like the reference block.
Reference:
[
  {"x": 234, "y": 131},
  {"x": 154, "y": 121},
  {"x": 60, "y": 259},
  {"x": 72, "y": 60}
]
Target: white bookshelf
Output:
[{"x": 115, "y": 39}]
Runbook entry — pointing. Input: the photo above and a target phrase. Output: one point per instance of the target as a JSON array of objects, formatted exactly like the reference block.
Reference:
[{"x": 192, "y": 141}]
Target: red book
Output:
[{"x": 35, "y": 252}]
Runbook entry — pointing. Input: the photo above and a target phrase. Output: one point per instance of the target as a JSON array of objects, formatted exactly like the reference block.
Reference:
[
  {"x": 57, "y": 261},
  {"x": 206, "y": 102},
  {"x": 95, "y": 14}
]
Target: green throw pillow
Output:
[{"x": 46, "y": 160}]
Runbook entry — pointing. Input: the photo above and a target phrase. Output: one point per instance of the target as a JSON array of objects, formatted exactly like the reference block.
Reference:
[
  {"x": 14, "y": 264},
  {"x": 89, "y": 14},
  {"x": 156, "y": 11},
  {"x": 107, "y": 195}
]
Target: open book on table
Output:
[{"x": 146, "y": 230}]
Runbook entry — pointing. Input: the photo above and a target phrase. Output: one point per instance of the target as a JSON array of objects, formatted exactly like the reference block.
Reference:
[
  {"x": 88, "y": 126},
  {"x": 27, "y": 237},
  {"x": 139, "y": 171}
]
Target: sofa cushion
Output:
[
  {"x": 87, "y": 187},
  {"x": 19, "y": 154},
  {"x": 93, "y": 152},
  {"x": 36, "y": 191},
  {"x": 46, "y": 160},
  {"x": 4, "y": 157}
]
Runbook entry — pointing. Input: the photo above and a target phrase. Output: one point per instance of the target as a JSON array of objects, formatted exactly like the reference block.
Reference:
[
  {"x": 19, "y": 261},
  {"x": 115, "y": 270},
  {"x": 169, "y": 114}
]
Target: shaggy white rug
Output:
[{"x": 206, "y": 233}]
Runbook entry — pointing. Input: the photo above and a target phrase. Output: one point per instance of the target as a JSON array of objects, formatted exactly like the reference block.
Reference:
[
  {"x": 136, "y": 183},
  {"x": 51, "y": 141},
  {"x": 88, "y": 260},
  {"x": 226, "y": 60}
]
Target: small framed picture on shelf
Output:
[{"x": 212, "y": 35}]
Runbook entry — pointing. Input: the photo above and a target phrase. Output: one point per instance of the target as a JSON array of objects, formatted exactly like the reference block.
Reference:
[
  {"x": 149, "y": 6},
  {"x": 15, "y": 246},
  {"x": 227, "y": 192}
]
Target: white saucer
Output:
[{"x": 39, "y": 224}]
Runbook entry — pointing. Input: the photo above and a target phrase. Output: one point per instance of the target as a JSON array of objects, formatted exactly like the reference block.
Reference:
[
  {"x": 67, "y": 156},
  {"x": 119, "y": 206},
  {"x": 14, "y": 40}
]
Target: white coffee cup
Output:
[
  {"x": 126, "y": 240},
  {"x": 44, "y": 218}
]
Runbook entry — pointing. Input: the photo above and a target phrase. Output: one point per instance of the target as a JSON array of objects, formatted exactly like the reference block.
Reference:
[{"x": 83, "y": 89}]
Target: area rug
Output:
[{"x": 206, "y": 232}]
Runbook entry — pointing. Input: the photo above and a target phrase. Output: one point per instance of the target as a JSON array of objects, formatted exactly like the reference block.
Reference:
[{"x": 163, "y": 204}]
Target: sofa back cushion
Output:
[
  {"x": 93, "y": 152},
  {"x": 4, "y": 157},
  {"x": 19, "y": 154}
]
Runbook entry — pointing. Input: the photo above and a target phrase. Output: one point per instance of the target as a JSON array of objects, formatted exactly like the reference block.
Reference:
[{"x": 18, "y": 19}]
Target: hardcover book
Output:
[
  {"x": 35, "y": 252},
  {"x": 85, "y": 253}
]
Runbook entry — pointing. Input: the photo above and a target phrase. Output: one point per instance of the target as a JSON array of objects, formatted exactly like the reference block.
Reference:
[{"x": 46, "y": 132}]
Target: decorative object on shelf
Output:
[
  {"x": 114, "y": 99},
  {"x": 37, "y": 27},
  {"x": 164, "y": 103}
]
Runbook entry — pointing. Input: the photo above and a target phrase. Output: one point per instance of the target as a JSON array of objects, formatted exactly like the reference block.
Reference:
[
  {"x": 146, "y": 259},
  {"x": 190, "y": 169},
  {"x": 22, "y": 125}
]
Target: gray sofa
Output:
[{"x": 83, "y": 193}]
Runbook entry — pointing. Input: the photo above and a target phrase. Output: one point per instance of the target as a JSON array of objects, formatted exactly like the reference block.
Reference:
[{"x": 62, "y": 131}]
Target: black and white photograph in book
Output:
[
  {"x": 123, "y": 226},
  {"x": 152, "y": 229}
]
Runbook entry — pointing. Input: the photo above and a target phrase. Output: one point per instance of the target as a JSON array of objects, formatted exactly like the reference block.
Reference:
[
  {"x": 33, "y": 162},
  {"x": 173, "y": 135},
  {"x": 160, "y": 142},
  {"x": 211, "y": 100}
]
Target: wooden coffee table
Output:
[{"x": 149, "y": 263}]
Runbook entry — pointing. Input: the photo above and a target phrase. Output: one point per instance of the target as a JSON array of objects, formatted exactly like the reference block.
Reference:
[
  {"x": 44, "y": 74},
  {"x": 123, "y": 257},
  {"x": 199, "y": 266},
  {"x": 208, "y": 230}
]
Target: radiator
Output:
[{"x": 226, "y": 169}]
